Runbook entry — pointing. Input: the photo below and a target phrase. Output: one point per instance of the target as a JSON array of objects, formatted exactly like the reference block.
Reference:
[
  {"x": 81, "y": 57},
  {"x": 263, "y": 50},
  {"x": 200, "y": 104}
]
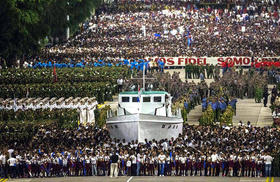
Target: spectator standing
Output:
[
  {"x": 114, "y": 165},
  {"x": 12, "y": 166},
  {"x": 120, "y": 84},
  {"x": 128, "y": 165},
  {"x": 161, "y": 160},
  {"x": 265, "y": 96},
  {"x": 3, "y": 166},
  {"x": 134, "y": 164},
  {"x": 93, "y": 160},
  {"x": 268, "y": 161},
  {"x": 201, "y": 77}
]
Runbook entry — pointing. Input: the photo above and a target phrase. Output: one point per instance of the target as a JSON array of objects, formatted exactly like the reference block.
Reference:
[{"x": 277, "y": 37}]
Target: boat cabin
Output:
[{"x": 146, "y": 102}]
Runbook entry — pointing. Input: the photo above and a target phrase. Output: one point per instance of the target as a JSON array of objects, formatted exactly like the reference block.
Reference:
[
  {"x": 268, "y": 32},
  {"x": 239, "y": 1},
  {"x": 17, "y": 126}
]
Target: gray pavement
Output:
[
  {"x": 256, "y": 113},
  {"x": 152, "y": 179},
  {"x": 194, "y": 115}
]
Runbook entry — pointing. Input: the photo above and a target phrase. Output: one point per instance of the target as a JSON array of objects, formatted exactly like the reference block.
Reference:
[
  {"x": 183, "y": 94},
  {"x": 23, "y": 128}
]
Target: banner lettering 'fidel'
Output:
[{"x": 238, "y": 61}]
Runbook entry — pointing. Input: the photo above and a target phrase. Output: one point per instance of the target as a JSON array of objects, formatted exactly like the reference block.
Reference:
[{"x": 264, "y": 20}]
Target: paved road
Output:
[{"x": 152, "y": 179}]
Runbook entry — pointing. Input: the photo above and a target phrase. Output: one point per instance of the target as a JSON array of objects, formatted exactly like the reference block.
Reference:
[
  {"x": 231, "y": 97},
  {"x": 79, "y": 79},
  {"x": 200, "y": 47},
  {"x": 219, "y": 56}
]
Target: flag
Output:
[
  {"x": 189, "y": 40},
  {"x": 157, "y": 35},
  {"x": 54, "y": 74}
]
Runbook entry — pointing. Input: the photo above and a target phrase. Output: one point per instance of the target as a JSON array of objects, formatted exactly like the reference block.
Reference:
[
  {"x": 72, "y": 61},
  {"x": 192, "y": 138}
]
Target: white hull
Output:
[{"x": 144, "y": 126}]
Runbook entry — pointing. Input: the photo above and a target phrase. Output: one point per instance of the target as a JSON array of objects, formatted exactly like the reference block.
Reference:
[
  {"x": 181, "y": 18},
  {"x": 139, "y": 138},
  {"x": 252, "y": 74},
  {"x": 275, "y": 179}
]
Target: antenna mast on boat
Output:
[{"x": 144, "y": 78}]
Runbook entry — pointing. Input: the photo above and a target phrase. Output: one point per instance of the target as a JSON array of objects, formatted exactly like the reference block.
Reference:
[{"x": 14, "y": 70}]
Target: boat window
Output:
[
  {"x": 146, "y": 99},
  {"x": 134, "y": 99},
  {"x": 125, "y": 99},
  {"x": 157, "y": 99}
]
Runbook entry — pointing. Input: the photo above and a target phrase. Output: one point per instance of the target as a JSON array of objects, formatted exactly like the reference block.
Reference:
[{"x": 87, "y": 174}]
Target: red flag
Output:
[
  {"x": 277, "y": 64},
  {"x": 230, "y": 64},
  {"x": 252, "y": 64},
  {"x": 54, "y": 74},
  {"x": 224, "y": 64},
  {"x": 269, "y": 63},
  {"x": 258, "y": 65}
]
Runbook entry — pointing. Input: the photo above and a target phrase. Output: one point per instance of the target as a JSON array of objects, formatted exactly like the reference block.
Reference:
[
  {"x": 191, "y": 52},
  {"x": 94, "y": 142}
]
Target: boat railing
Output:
[
  {"x": 156, "y": 109},
  {"x": 124, "y": 110}
]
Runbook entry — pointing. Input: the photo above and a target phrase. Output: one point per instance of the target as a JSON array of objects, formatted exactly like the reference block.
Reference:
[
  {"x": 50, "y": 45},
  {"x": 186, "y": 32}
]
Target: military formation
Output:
[
  {"x": 234, "y": 84},
  {"x": 193, "y": 71}
]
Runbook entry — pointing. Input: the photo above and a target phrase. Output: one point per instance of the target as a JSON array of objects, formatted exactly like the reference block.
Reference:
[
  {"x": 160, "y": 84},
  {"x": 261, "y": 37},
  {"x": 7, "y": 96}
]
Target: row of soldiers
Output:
[
  {"x": 237, "y": 85},
  {"x": 194, "y": 71}
]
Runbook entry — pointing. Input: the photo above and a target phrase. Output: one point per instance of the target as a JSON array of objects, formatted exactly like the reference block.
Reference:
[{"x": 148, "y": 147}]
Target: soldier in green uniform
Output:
[
  {"x": 191, "y": 71},
  {"x": 202, "y": 70},
  {"x": 240, "y": 89},
  {"x": 188, "y": 71},
  {"x": 207, "y": 67},
  {"x": 211, "y": 71},
  {"x": 240, "y": 70},
  {"x": 251, "y": 88},
  {"x": 251, "y": 71},
  {"x": 194, "y": 71},
  {"x": 197, "y": 71},
  {"x": 217, "y": 72}
]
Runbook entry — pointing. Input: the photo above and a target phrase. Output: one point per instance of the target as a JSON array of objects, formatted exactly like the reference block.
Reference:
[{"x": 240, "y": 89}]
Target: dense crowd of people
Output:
[
  {"x": 137, "y": 30},
  {"x": 124, "y": 33},
  {"x": 198, "y": 151}
]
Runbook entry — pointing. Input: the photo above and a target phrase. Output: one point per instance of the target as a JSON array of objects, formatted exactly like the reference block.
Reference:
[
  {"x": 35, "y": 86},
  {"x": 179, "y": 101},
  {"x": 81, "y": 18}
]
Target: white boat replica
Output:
[{"x": 145, "y": 115}]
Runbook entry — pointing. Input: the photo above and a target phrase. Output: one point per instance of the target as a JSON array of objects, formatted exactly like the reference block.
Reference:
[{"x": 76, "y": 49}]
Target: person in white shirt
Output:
[
  {"x": 161, "y": 161},
  {"x": 168, "y": 166},
  {"x": 3, "y": 164},
  {"x": 120, "y": 84},
  {"x": 12, "y": 166},
  {"x": 164, "y": 145},
  {"x": 122, "y": 163},
  {"x": 214, "y": 158},
  {"x": 151, "y": 161},
  {"x": 64, "y": 163},
  {"x": 128, "y": 165},
  {"x": 268, "y": 161},
  {"x": 182, "y": 160},
  {"x": 138, "y": 164},
  {"x": 10, "y": 152},
  {"x": 93, "y": 160},
  {"x": 142, "y": 164},
  {"x": 134, "y": 164}
]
